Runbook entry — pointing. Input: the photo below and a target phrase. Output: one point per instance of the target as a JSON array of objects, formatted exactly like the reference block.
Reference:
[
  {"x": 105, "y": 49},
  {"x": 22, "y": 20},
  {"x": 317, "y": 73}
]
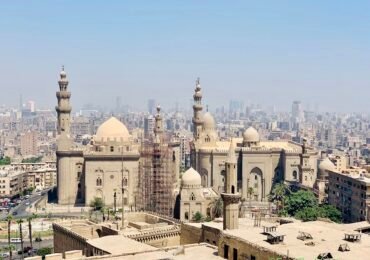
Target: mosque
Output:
[{"x": 260, "y": 163}]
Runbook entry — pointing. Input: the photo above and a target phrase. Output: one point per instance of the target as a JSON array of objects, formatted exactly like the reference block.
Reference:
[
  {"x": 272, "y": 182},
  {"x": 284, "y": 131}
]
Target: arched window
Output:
[
  {"x": 186, "y": 215},
  {"x": 124, "y": 182},
  {"x": 99, "y": 181},
  {"x": 192, "y": 196},
  {"x": 112, "y": 149},
  {"x": 232, "y": 189},
  {"x": 295, "y": 175}
]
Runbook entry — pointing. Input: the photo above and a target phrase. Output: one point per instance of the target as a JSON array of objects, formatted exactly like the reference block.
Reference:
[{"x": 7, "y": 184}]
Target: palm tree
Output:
[
  {"x": 9, "y": 219},
  {"x": 19, "y": 222},
  {"x": 278, "y": 195},
  {"x": 29, "y": 219},
  {"x": 217, "y": 208}
]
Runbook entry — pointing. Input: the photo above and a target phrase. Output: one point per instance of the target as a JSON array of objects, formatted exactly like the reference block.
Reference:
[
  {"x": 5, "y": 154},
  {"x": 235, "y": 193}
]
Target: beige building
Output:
[
  {"x": 349, "y": 191},
  {"x": 261, "y": 164},
  {"x": 12, "y": 181},
  {"x": 29, "y": 142}
]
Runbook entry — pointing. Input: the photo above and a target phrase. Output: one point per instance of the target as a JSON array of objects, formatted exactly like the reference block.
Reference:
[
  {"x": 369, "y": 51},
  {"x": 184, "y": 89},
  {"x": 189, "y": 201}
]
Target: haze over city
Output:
[{"x": 268, "y": 53}]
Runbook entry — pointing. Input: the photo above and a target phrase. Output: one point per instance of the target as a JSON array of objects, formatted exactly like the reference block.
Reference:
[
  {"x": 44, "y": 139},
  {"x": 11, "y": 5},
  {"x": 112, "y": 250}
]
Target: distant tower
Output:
[
  {"x": 197, "y": 109},
  {"x": 158, "y": 127},
  {"x": 231, "y": 197},
  {"x": 63, "y": 109}
]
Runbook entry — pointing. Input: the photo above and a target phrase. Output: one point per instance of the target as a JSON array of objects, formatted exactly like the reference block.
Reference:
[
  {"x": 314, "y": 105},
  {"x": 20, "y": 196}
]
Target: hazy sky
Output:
[{"x": 267, "y": 52}]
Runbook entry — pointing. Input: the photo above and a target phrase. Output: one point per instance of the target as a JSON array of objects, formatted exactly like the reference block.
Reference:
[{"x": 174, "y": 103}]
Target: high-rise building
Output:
[
  {"x": 151, "y": 106},
  {"x": 29, "y": 143}
]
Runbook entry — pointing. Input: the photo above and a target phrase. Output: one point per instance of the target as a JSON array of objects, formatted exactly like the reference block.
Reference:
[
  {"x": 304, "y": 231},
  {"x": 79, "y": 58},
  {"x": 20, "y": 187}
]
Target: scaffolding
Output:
[{"x": 157, "y": 177}]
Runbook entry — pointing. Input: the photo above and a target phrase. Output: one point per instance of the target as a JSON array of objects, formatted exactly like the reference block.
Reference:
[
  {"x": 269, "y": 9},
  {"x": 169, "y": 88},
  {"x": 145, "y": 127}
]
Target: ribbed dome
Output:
[
  {"x": 251, "y": 135},
  {"x": 208, "y": 121},
  {"x": 191, "y": 178},
  {"x": 326, "y": 165},
  {"x": 112, "y": 129}
]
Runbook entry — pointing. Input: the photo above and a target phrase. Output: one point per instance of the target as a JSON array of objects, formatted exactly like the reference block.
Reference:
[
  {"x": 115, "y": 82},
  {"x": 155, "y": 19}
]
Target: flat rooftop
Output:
[{"x": 327, "y": 237}]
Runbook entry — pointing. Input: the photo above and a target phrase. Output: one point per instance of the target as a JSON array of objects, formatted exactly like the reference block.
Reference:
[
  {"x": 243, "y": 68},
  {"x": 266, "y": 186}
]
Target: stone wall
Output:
[{"x": 190, "y": 235}]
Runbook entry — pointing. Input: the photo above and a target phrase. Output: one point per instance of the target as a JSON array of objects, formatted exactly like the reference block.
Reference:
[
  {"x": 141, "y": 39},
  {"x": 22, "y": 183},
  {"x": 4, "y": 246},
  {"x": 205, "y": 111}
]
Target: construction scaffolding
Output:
[{"x": 157, "y": 177}]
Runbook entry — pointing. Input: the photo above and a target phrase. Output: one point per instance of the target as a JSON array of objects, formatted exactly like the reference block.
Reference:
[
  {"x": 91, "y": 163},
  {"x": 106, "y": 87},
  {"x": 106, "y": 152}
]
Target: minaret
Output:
[
  {"x": 197, "y": 109},
  {"x": 305, "y": 166},
  {"x": 158, "y": 127},
  {"x": 231, "y": 197},
  {"x": 64, "y": 108}
]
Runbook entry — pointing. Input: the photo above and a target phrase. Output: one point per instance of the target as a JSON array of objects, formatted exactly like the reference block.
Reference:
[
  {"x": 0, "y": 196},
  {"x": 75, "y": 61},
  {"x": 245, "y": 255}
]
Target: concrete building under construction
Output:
[{"x": 159, "y": 171}]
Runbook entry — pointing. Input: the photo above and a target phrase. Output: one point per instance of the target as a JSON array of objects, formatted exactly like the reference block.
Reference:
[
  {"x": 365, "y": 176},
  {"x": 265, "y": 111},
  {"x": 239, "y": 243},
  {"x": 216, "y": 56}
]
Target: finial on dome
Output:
[
  {"x": 63, "y": 73},
  {"x": 206, "y": 108},
  {"x": 197, "y": 82},
  {"x": 158, "y": 109}
]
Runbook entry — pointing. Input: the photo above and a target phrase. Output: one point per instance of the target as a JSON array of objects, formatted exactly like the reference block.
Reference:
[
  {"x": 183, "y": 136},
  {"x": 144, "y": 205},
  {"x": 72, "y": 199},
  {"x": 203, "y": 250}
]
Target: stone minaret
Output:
[
  {"x": 231, "y": 197},
  {"x": 64, "y": 108},
  {"x": 197, "y": 109},
  {"x": 158, "y": 127}
]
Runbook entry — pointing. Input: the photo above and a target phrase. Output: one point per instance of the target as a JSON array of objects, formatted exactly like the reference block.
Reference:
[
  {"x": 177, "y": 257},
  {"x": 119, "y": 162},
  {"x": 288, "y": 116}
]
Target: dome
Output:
[
  {"x": 191, "y": 178},
  {"x": 251, "y": 135},
  {"x": 208, "y": 121},
  {"x": 326, "y": 165},
  {"x": 112, "y": 129}
]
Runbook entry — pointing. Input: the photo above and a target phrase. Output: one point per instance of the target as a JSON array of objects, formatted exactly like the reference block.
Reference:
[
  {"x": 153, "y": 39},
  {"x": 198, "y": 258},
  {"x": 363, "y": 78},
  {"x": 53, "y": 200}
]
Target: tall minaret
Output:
[
  {"x": 158, "y": 126},
  {"x": 64, "y": 108},
  {"x": 231, "y": 197},
  {"x": 197, "y": 109}
]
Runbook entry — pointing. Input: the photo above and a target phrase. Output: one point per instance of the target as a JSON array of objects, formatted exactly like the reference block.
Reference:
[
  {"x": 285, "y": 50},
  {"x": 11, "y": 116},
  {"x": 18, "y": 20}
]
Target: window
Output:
[
  {"x": 99, "y": 181},
  {"x": 192, "y": 196},
  {"x": 232, "y": 189},
  {"x": 112, "y": 149},
  {"x": 295, "y": 175},
  {"x": 186, "y": 215},
  {"x": 124, "y": 182}
]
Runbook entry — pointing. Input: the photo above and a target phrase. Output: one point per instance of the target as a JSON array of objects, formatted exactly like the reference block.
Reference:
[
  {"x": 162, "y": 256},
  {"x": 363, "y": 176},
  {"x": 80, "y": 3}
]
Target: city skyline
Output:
[{"x": 262, "y": 54}]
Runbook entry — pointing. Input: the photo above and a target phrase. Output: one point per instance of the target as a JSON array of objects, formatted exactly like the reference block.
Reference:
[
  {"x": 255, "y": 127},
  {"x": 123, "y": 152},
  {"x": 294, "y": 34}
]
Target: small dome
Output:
[
  {"x": 191, "y": 178},
  {"x": 251, "y": 135},
  {"x": 112, "y": 129},
  {"x": 326, "y": 165},
  {"x": 208, "y": 121}
]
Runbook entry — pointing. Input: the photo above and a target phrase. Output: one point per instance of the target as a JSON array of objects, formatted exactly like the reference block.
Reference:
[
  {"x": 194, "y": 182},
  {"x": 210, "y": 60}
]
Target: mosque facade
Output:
[{"x": 260, "y": 164}]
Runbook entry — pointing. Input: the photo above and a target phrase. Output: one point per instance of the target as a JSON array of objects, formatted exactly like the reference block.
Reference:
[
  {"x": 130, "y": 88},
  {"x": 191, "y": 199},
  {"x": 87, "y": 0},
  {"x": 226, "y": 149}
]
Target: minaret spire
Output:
[
  {"x": 63, "y": 108},
  {"x": 197, "y": 110},
  {"x": 231, "y": 197}
]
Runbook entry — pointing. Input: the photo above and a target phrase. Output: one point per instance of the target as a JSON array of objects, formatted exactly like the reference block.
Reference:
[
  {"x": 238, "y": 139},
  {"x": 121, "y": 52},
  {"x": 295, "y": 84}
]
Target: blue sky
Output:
[{"x": 266, "y": 52}]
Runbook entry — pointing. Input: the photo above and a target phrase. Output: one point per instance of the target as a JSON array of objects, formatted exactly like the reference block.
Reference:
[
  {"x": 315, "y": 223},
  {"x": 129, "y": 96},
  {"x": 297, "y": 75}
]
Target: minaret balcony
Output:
[
  {"x": 230, "y": 197},
  {"x": 63, "y": 94},
  {"x": 63, "y": 109}
]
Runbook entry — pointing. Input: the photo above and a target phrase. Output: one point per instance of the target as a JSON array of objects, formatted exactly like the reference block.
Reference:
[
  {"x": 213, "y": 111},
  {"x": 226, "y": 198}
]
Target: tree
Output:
[
  {"x": 330, "y": 212},
  {"x": 217, "y": 208},
  {"x": 278, "y": 195},
  {"x": 197, "y": 216},
  {"x": 29, "y": 219},
  {"x": 300, "y": 200},
  {"x": 307, "y": 214},
  {"x": 44, "y": 251},
  {"x": 9, "y": 219},
  {"x": 5, "y": 161},
  {"x": 19, "y": 222},
  {"x": 97, "y": 203}
]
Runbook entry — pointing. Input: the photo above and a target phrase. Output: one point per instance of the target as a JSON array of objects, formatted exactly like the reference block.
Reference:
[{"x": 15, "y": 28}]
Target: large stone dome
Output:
[
  {"x": 191, "y": 178},
  {"x": 208, "y": 121},
  {"x": 112, "y": 129},
  {"x": 326, "y": 165},
  {"x": 251, "y": 135}
]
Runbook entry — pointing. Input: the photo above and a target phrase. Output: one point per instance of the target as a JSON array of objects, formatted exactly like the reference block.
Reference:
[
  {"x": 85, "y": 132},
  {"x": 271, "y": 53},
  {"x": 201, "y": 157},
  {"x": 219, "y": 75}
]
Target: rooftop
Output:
[{"x": 327, "y": 237}]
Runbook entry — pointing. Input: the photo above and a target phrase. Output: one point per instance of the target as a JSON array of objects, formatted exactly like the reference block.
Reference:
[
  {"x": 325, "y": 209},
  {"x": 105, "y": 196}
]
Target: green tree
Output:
[
  {"x": 44, "y": 251},
  {"x": 97, "y": 203},
  {"x": 278, "y": 195},
  {"x": 5, "y": 160},
  {"x": 330, "y": 212},
  {"x": 307, "y": 214},
  {"x": 19, "y": 222},
  {"x": 217, "y": 208},
  {"x": 198, "y": 216},
  {"x": 9, "y": 219},
  {"x": 300, "y": 200}
]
